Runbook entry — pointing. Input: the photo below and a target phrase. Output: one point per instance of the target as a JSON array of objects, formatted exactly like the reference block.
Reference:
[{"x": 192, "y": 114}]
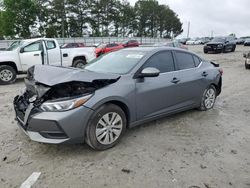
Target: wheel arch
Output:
[
  {"x": 120, "y": 104},
  {"x": 82, "y": 57},
  {"x": 218, "y": 86},
  {"x": 11, "y": 64}
]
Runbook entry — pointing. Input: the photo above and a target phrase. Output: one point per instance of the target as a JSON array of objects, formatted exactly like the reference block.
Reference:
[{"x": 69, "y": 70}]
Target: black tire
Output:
[
  {"x": 233, "y": 49},
  {"x": 224, "y": 50},
  {"x": 79, "y": 63},
  {"x": 7, "y": 75},
  {"x": 203, "y": 106},
  {"x": 205, "y": 51},
  {"x": 93, "y": 124},
  {"x": 247, "y": 66}
]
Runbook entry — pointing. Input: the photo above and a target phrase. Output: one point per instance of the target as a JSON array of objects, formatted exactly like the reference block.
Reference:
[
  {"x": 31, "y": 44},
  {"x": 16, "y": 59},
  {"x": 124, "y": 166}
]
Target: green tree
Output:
[{"x": 19, "y": 17}]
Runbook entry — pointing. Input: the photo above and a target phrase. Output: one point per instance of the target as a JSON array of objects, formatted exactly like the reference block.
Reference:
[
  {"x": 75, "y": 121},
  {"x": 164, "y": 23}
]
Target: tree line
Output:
[{"x": 96, "y": 18}]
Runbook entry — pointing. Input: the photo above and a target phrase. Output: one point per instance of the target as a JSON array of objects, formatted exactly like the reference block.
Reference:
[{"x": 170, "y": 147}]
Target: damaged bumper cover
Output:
[
  {"x": 52, "y": 127},
  {"x": 66, "y": 126}
]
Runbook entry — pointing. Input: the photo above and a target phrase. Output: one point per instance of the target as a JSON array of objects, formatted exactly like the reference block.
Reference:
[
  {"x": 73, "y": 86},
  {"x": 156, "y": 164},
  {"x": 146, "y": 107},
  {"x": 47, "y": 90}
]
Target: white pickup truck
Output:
[{"x": 23, "y": 54}]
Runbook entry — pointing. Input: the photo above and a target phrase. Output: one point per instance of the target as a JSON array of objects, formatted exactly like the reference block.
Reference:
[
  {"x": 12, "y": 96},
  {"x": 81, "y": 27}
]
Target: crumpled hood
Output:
[{"x": 53, "y": 75}]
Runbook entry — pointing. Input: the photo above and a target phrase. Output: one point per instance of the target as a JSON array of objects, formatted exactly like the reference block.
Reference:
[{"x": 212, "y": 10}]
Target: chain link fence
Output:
[{"x": 90, "y": 41}]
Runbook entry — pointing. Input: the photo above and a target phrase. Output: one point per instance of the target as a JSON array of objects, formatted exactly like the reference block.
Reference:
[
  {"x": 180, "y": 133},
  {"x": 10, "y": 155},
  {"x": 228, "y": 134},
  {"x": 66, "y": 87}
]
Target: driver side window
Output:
[{"x": 33, "y": 47}]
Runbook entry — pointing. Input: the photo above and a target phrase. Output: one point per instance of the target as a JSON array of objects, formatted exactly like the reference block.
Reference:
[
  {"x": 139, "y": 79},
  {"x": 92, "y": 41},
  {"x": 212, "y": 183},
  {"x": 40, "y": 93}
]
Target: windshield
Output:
[
  {"x": 218, "y": 40},
  {"x": 120, "y": 62},
  {"x": 15, "y": 45}
]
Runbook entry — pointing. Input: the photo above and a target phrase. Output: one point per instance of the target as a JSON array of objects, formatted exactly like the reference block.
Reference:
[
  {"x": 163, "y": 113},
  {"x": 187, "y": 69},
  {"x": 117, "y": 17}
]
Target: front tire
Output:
[
  {"x": 106, "y": 127},
  {"x": 208, "y": 98},
  {"x": 7, "y": 75},
  {"x": 205, "y": 51}
]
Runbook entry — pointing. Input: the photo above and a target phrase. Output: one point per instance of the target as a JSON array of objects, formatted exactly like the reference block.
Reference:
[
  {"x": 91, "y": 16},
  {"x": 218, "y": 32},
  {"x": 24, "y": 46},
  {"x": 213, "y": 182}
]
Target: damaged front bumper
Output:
[{"x": 51, "y": 127}]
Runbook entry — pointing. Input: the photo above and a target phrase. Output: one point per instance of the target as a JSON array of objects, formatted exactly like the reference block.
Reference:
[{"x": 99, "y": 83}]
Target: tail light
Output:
[{"x": 221, "y": 71}]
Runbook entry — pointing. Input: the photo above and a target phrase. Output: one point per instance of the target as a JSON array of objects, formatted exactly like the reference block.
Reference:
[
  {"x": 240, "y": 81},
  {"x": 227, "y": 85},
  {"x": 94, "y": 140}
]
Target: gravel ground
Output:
[{"x": 190, "y": 150}]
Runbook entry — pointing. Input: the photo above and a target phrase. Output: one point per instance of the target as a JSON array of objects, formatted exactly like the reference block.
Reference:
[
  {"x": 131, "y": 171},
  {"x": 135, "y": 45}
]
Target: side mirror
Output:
[
  {"x": 149, "y": 72},
  {"x": 21, "y": 50}
]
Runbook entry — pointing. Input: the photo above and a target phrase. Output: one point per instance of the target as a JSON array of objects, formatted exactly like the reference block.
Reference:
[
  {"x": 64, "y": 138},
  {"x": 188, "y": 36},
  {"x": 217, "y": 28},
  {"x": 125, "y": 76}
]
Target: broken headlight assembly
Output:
[{"x": 64, "y": 105}]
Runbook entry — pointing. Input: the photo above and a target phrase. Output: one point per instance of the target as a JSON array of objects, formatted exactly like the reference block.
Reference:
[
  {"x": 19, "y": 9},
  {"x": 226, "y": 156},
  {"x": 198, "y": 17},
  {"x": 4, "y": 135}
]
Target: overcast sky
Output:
[{"x": 220, "y": 16}]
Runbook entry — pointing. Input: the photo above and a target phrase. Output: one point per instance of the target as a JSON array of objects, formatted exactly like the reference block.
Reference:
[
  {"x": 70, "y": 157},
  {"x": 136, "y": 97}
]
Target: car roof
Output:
[{"x": 154, "y": 49}]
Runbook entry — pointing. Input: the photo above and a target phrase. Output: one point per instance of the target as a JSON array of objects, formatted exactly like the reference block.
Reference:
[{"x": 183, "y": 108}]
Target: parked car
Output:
[
  {"x": 23, "y": 54},
  {"x": 175, "y": 44},
  {"x": 247, "y": 42},
  {"x": 130, "y": 43},
  {"x": 105, "y": 48},
  {"x": 73, "y": 45},
  {"x": 184, "y": 40},
  {"x": 220, "y": 44},
  {"x": 247, "y": 60},
  {"x": 191, "y": 42},
  {"x": 240, "y": 41},
  {"x": 114, "y": 92}
]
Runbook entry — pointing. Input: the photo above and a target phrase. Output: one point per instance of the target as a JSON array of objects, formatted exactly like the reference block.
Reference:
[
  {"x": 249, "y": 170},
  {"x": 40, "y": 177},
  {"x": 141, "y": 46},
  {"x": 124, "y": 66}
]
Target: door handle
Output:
[
  {"x": 204, "y": 74},
  {"x": 175, "y": 80},
  {"x": 36, "y": 54}
]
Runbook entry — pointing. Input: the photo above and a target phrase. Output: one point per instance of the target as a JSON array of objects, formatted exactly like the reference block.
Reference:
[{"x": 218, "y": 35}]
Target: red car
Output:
[
  {"x": 130, "y": 43},
  {"x": 105, "y": 48}
]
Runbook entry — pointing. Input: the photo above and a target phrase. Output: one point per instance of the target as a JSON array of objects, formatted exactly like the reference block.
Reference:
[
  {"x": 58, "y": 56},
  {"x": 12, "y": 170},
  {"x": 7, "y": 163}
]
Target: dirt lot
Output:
[{"x": 192, "y": 149}]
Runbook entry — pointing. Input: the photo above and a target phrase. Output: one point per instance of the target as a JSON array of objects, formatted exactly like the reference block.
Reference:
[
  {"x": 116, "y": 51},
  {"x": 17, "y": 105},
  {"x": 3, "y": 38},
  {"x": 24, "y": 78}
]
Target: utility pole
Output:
[
  {"x": 188, "y": 29},
  {"x": 212, "y": 34},
  {"x": 63, "y": 20}
]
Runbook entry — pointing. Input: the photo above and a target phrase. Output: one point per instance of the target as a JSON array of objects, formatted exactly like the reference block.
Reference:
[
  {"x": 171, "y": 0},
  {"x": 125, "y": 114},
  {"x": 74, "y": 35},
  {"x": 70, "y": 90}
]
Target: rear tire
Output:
[
  {"x": 208, "y": 98},
  {"x": 247, "y": 66},
  {"x": 79, "y": 63},
  {"x": 7, "y": 75},
  {"x": 106, "y": 127}
]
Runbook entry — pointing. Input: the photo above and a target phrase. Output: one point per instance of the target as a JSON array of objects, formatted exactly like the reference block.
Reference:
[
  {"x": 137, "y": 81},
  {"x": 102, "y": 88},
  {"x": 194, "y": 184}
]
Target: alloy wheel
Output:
[
  {"x": 109, "y": 128},
  {"x": 210, "y": 98}
]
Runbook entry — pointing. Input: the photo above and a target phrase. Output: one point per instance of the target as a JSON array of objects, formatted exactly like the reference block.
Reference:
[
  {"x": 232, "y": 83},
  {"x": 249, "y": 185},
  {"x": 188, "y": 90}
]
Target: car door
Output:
[
  {"x": 192, "y": 80},
  {"x": 31, "y": 55},
  {"x": 54, "y": 53},
  {"x": 156, "y": 95}
]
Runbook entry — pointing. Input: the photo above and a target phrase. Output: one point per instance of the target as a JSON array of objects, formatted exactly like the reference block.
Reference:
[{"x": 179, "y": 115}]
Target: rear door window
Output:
[
  {"x": 184, "y": 60},
  {"x": 197, "y": 61},
  {"x": 50, "y": 44},
  {"x": 163, "y": 61}
]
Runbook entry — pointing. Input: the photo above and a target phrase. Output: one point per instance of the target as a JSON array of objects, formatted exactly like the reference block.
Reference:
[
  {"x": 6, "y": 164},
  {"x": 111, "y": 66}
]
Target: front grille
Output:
[{"x": 212, "y": 45}]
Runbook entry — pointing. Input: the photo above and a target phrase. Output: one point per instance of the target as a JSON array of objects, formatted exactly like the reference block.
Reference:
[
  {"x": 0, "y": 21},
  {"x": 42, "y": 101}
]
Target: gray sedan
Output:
[{"x": 114, "y": 92}]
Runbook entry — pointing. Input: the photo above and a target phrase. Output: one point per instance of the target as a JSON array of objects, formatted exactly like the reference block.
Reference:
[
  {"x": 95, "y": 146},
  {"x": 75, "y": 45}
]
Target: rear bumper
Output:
[{"x": 55, "y": 127}]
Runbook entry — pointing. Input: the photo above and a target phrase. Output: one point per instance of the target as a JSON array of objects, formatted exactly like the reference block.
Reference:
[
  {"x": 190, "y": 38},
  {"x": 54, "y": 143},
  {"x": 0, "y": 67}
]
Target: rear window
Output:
[{"x": 184, "y": 60}]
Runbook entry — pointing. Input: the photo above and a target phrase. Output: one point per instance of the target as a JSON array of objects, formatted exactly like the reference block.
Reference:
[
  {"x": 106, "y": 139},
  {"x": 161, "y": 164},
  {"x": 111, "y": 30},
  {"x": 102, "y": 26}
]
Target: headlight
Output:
[
  {"x": 220, "y": 45},
  {"x": 59, "y": 106}
]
